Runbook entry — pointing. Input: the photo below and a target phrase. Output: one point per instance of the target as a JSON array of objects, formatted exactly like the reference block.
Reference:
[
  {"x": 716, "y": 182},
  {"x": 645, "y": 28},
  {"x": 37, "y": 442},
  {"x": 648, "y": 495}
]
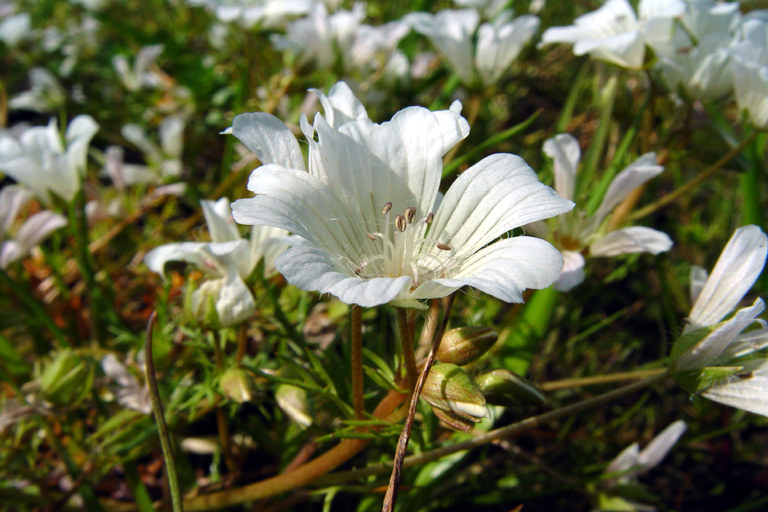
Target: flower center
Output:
[{"x": 404, "y": 249}]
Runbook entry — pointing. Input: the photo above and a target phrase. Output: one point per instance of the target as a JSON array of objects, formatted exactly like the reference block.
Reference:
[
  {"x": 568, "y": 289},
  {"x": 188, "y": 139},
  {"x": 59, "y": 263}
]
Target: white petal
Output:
[
  {"x": 490, "y": 198},
  {"x": 498, "y": 45},
  {"x": 451, "y": 32},
  {"x": 573, "y": 271},
  {"x": 748, "y": 392},
  {"x": 304, "y": 205},
  {"x": 36, "y": 228},
  {"x": 637, "y": 173},
  {"x": 235, "y": 303},
  {"x": 709, "y": 350},
  {"x": 313, "y": 269},
  {"x": 699, "y": 276},
  {"x": 190, "y": 252},
  {"x": 10, "y": 251},
  {"x": 657, "y": 449},
  {"x": 626, "y": 49},
  {"x": 630, "y": 240},
  {"x": 79, "y": 134},
  {"x": 12, "y": 198},
  {"x": 739, "y": 265},
  {"x": 269, "y": 243},
  {"x": 172, "y": 136},
  {"x": 564, "y": 150},
  {"x": 751, "y": 86},
  {"x": 341, "y": 105},
  {"x": 269, "y": 139},
  {"x": 503, "y": 269},
  {"x": 218, "y": 216},
  {"x": 625, "y": 461}
]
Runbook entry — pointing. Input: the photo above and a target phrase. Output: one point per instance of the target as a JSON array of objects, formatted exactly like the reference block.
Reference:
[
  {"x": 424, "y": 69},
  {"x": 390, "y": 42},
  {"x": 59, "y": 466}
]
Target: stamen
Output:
[
  {"x": 386, "y": 208},
  {"x": 410, "y": 214},
  {"x": 371, "y": 237},
  {"x": 429, "y": 218},
  {"x": 444, "y": 247},
  {"x": 400, "y": 223}
]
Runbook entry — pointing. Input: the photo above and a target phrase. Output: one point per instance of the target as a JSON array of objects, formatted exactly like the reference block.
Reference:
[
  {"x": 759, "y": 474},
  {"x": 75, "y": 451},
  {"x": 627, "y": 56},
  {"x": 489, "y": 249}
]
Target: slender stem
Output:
[
  {"x": 599, "y": 379},
  {"x": 357, "y": 361},
  {"x": 405, "y": 435},
  {"x": 162, "y": 428},
  {"x": 495, "y": 435},
  {"x": 695, "y": 182},
  {"x": 406, "y": 340},
  {"x": 221, "y": 414}
]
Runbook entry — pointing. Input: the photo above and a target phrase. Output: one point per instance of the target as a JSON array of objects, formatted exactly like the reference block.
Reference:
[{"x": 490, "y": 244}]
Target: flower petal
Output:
[
  {"x": 699, "y": 276},
  {"x": 36, "y": 228},
  {"x": 311, "y": 268},
  {"x": 490, "y": 198},
  {"x": 269, "y": 139},
  {"x": 657, "y": 449},
  {"x": 503, "y": 269},
  {"x": 738, "y": 267},
  {"x": 341, "y": 105},
  {"x": 747, "y": 390},
  {"x": 572, "y": 273},
  {"x": 637, "y": 173},
  {"x": 218, "y": 216},
  {"x": 709, "y": 350},
  {"x": 12, "y": 198},
  {"x": 630, "y": 240},
  {"x": 564, "y": 150}
]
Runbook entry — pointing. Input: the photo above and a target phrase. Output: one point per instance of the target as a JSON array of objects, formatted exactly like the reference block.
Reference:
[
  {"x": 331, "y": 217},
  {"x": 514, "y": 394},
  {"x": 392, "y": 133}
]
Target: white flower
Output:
[
  {"x": 15, "y": 28},
  {"x": 713, "y": 345},
  {"x": 489, "y": 8},
  {"x": 371, "y": 46},
  {"x": 576, "y": 233},
  {"x": 40, "y": 161},
  {"x": 319, "y": 36},
  {"x": 33, "y": 231},
  {"x": 249, "y": 13},
  {"x": 228, "y": 258},
  {"x": 694, "y": 54},
  {"x": 614, "y": 33},
  {"x": 163, "y": 160},
  {"x": 750, "y": 70},
  {"x": 366, "y": 206},
  {"x": 498, "y": 42},
  {"x": 129, "y": 393},
  {"x": 632, "y": 462},
  {"x": 45, "y": 94},
  {"x": 141, "y": 75}
]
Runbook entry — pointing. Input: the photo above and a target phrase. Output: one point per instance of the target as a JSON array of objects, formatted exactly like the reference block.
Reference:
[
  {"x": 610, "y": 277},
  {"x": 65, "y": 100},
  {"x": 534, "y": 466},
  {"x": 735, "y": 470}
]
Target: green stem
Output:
[
  {"x": 162, "y": 428},
  {"x": 356, "y": 336},
  {"x": 601, "y": 136},
  {"x": 406, "y": 341},
  {"x": 290, "y": 330},
  {"x": 573, "y": 97},
  {"x": 695, "y": 182},
  {"x": 405, "y": 435},
  {"x": 35, "y": 306}
]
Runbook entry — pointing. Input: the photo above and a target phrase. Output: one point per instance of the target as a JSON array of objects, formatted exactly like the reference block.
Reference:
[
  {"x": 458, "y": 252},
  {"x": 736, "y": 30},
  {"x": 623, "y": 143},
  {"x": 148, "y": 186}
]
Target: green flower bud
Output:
[
  {"x": 452, "y": 390},
  {"x": 238, "y": 384},
  {"x": 294, "y": 402},
  {"x": 464, "y": 345},
  {"x": 68, "y": 379},
  {"x": 505, "y": 387}
]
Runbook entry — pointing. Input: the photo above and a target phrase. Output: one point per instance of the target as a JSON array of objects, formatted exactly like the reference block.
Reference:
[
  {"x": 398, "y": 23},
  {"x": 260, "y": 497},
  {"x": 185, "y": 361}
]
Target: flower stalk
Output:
[{"x": 357, "y": 361}]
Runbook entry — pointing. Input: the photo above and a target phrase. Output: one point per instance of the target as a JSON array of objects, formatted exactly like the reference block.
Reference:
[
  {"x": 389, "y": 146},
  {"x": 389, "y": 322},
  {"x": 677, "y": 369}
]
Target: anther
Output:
[
  {"x": 444, "y": 247},
  {"x": 429, "y": 218},
  {"x": 386, "y": 208},
  {"x": 410, "y": 214},
  {"x": 400, "y": 223},
  {"x": 371, "y": 237}
]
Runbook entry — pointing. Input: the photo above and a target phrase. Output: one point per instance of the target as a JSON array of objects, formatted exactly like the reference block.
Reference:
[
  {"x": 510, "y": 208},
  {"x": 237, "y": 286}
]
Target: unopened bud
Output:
[
  {"x": 294, "y": 402},
  {"x": 68, "y": 379},
  {"x": 238, "y": 384},
  {"x": 451, "y": 389},
  {"x": 505, "y": 387},
  {"x": 463, "y": 345}
]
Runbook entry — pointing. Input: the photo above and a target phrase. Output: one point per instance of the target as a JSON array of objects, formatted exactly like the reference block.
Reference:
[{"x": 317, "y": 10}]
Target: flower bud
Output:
[
  {"x": 238, "y": 384},
  {"x": 505, "y": 387},
  {"x": 451, "y": 389},
  {"x": 464, "y": 345},
  {"x": 294, "y": 402},
  {"x": 68, "y": 379}
]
